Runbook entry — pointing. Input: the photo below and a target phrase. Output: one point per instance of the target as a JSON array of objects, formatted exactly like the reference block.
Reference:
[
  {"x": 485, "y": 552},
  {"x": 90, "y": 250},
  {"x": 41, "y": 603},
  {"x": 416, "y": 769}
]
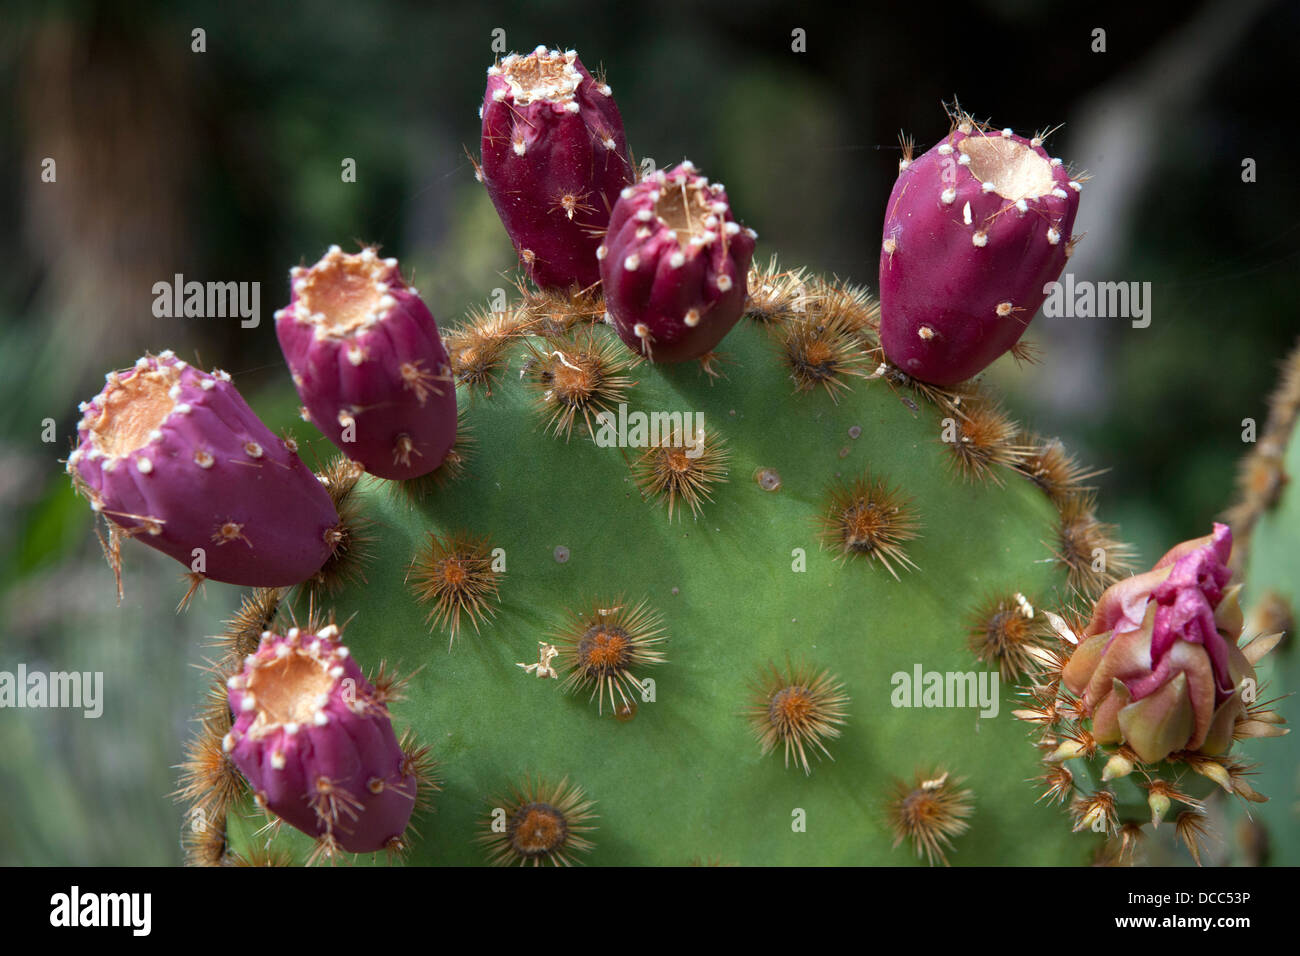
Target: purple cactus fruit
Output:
[
  {"x": 174, "y": 456},
  {"x": 674, "y": 265},
  {"x": 369, "y": 364},
  {"x": 316, "y": 742},
  {"x": 974, "y": 230},
  {"x": 554, "y": 161}
]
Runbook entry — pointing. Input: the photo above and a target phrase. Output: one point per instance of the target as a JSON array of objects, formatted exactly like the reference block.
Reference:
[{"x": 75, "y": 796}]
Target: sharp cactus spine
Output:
[
  {"x": 929, "y": 813},
  {"x": 539, "y": 824},
  {"x": 974, "y": 230},
  {"x": 797, "y": 710},
  {"x": 369, "y": 363}
]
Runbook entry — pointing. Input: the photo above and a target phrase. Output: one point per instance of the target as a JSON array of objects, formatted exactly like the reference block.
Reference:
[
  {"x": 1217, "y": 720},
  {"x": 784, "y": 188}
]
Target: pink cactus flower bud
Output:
[
  {"x": 1158, "y": 667},
  {"x": 675, "y": 265},
  {"x": 175, "y": 457},
  {"x": 554, "y": 160},
  {"x": 316, "y": 743},
  {"x": 369, "y": 364},
  {"x": 974, "y": 230}
]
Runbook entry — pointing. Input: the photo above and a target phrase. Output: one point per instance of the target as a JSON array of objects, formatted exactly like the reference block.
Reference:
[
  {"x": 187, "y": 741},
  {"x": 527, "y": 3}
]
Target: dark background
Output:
[{"x": 225, "y": 165}]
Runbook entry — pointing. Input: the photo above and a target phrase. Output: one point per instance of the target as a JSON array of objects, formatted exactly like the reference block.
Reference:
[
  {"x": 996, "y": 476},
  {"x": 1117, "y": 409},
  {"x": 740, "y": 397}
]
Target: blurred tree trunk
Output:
[
  {"x": 1118, "y": 139},
  {"x": 108, "y": 102}
]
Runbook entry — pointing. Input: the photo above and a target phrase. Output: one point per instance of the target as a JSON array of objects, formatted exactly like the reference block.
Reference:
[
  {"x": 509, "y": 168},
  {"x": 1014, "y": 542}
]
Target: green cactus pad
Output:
[
  {"x": 1270, "y": 832},
  {"x": 684, "y": 780}
]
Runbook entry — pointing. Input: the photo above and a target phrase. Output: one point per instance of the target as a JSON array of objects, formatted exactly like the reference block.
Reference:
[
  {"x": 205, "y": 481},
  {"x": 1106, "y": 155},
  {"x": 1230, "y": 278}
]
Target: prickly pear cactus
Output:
[
  {"x": 758, "y": 636},
  {"x": 679, "y": 559}
]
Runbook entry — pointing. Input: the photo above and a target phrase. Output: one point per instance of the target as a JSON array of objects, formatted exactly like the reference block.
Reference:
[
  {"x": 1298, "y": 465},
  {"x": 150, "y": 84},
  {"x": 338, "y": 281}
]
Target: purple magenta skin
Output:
[
  {"x": 974, "y": 231},
  {"x": 554, "y": 160},
  {"x": 175, "y": 457},
  {"x": 369, "y": 364},
  {"x": 674, "y": 265},
  {"x": 1187, "y": 601},
  {"x": 316, "y": 744}
]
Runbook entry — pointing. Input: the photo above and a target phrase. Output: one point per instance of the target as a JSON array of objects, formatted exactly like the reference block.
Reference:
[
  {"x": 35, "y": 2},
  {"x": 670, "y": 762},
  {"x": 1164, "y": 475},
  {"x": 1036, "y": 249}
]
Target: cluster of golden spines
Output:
[
  {"x": 1006, "y": 631},
  {"x": 982, "y": 439},
  {"x": 1088, "y": 549},
  {"x": 929, "y": 812},
  {"x": 604, "y": 645},
  {"x": 797, "y": 709},
  {"x": 538, "y": 823},
  {"x": 682, "y": 470},
  {"x": 456, "y": 574},
  {"x": 867, "y": 518},
  {"x": 577, "y": 375}
]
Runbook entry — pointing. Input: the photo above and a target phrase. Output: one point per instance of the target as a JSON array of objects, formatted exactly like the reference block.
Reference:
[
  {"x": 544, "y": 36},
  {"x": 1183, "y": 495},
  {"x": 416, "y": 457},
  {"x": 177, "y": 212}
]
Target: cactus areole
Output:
[
  {"x": 974, "y": 230},
  {"x": 554, "y": 161}
]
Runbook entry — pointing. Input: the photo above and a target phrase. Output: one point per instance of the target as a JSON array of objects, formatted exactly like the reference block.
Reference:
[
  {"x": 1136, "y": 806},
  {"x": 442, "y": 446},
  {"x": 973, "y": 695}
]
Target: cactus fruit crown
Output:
[
  {"x": 133, "y": 411},
  {"x": 344, "y": 294},
  {"x": 807, "y": 669},
  {"x": 1016, "y": 169},
  {"x": 544, "y": 75}
]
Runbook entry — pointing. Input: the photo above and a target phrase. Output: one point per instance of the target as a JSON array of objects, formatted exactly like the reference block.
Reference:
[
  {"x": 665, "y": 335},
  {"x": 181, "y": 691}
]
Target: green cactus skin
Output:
[
  {"x": 1269, "y": 512},
  {"x": 684, "y": 779}
]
